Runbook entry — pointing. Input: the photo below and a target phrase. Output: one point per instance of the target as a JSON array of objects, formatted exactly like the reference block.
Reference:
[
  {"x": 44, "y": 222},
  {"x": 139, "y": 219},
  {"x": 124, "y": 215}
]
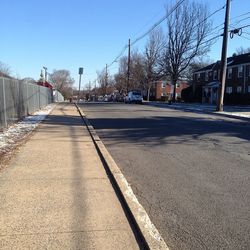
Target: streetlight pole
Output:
[
  {"x": 128, "y": 73},
  {"x": 80, "y": 78},
  {"x": 45, "y": 75},
  {"x": 106, "y": 78}
]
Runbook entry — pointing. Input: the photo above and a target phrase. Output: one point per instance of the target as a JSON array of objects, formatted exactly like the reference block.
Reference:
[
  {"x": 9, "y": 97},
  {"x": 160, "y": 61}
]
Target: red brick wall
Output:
[{"x": 167, "y": 89}]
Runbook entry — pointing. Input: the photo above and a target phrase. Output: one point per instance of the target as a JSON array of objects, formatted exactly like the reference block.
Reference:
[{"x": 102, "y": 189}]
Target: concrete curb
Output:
[
  {"x": 148, "y": 232},
  {"x": 202, "y": 111}
]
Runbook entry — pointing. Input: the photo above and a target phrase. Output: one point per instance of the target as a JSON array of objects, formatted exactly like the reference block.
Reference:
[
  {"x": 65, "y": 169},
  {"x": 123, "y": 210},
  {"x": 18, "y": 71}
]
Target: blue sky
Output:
[{"x": 67, "y": 34}]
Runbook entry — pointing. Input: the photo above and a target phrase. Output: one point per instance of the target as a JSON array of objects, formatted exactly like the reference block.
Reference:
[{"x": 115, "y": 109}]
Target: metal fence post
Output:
[{"x": 4, "y": 105}]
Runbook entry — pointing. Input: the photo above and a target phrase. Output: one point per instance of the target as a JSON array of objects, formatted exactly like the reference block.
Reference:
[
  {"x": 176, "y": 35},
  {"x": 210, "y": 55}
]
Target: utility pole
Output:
[
  {"x": 223, "y": 59},
  {"x": 89, "y": 91},
  {"x": 128, "y": 75},
  {"x": 80, "y": 78},
  {"x": 46, "y": 73},
  {"x": 95, "y": 91},
  {"x": 106, "y": 78}
]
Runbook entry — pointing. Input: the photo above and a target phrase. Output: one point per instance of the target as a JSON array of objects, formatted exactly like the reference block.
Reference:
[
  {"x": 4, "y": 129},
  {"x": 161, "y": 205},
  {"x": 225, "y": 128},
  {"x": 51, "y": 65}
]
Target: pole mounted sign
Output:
[
  {"x": 80, "y": 74},
  {"x": 80, "y": 71}
]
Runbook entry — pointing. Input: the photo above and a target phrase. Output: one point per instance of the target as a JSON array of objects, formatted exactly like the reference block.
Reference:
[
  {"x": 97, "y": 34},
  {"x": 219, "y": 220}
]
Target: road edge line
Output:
[{"x": 148, "y": 231}]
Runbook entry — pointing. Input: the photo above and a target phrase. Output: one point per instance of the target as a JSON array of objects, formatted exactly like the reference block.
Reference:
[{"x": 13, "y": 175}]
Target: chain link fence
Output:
[
  {"x": 57, "y": 96},
  {"x": 19, "y": 99}
]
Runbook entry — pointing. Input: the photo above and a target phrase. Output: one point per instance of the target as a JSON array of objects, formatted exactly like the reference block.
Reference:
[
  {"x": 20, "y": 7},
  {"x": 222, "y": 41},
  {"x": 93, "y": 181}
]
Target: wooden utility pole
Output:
[
  {"x": 106, "y": 78},
  {"x": 128, "y": 75},
  {"x": 89, "y": 91},
  {"x": 223, "y": 60}
]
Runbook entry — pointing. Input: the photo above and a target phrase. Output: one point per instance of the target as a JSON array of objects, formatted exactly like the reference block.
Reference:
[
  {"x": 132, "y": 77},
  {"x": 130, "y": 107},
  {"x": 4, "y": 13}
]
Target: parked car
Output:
[
  {"x": 100, "y": 98},
  {"x": 134, "y": 97}
]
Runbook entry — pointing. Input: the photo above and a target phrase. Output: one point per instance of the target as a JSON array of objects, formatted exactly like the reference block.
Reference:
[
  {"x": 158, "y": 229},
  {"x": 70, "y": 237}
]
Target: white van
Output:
[{"x": 134, "y": 96}]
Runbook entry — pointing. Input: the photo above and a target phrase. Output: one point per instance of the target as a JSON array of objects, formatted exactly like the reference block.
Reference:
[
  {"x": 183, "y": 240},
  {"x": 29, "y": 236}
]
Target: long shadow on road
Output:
[
  {"x": 197, "y": 195},
  {"x": 156, "y": 130}
]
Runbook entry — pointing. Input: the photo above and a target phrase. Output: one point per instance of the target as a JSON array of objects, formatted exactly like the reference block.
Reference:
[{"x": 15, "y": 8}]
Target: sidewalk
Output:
[
  {"x": 233, "y": 111},
  {"x": 55, "y": 194}
]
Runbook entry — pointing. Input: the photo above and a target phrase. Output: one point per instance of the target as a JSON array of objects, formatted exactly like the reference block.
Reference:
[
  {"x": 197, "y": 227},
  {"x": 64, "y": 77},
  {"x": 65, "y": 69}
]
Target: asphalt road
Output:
[{"x": 190, "y": 171}]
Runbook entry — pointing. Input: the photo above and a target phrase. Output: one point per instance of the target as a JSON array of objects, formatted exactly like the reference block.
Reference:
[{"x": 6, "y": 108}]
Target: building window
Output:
[
  {"x": 163, "y": 94},
  {"x": 215, "y": 75},
  {"x": 198, "y": 76},
  {"x": 210, "y": 74},
  {"x": 163, "y": 85},
  {"x": 219, "y": 74},
  {"x": 249, "y": 70},
  {"x": 229, "y": 73},
  {"x": 239, "y": 89},
  {"x": 206, "y": 76},
  {"x": 240, "y": 71},
  {"x": 229, "y": 90},
  {"x": 248, "y": 88}
]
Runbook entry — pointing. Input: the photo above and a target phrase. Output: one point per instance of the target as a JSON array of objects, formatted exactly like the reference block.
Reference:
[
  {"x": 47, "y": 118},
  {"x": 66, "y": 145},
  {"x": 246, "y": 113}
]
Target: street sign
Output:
[{"x": 80, "y": 71}]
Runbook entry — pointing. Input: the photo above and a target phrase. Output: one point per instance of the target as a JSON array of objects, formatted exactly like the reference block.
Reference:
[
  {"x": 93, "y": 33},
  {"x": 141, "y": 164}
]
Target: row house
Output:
[
  {"x": 163, "y": 90},
  {"x": 237, "y": 78}
]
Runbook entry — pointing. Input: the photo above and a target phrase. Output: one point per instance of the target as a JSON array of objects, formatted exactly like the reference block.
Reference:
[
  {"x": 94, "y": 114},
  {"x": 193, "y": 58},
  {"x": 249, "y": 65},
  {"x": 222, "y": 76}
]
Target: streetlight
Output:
[
  {"x": 80, "y": 78},
  {"x": 45, "y": 70}
]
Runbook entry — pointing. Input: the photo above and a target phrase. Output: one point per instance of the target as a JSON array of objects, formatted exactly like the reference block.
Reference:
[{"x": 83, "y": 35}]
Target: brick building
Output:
[
  {"x": 163, "y": 90},
  {"x": 237, "y": 78}
]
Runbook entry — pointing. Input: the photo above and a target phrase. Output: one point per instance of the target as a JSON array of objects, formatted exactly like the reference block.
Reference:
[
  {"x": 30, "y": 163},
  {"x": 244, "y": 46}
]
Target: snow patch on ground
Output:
[{"x": 14, "y": 133}]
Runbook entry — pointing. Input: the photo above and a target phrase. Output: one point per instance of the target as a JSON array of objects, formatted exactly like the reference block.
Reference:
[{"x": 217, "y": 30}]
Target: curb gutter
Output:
[
  {"x": 148, "y": 232},
  {"x": 202, "y": 111}
]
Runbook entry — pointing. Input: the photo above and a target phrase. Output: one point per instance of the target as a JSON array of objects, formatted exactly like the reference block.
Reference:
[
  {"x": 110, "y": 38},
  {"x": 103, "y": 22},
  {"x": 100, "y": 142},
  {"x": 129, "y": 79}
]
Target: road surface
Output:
[{"x": 190, "y": 171}]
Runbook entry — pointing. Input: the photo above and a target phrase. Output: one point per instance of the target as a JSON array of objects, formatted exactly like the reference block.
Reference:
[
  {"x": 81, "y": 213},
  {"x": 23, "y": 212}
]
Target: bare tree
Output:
[
  {"x": 4, "y": 70},
  {"x": 241, "y": 50},
  {"x": 29, "y": 80},
  {"x": 103, "y": 79},
  {"x": 62, "y": 81},
  {"x": 187, "y": 29},
  {"x": 137, "y": 72},
  {"x": 120, "y": 82},
  {"x": 195, "y": 65},
  {"x": 152, "y": 53}
]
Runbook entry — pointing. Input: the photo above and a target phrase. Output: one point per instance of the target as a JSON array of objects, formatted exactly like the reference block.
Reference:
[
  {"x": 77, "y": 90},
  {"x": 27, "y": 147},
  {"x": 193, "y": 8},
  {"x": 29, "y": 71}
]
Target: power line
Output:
[
  {"x": 150, "y": 30},
  {"x": 158, "y": 23},
  {"x": 146, "y": 24},
  {"x": 248, "y": 25},
  {"x": 244, "y": 14},
  {"x": 245, "y": 37},
  {"x": 166, "y": 16},
  {"x": 242, "y": 27},
  {"x": 217, "y": 27},
  {"x": 161, "y": 20},
  {"x": 236, "y": 23},
  {"x": 207, "y": 41},
  {"x": 215, "y": 12},
  {"x": 121, "y": 53}
]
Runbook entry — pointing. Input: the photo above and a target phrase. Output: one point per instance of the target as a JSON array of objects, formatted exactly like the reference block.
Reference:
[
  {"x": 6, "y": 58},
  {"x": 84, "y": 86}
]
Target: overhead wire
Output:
[
  {"x": 150, "y": 30},
  {"x": 158, "y": 23},
  {"x": 240, "y": 21},
  {"x": 244, "y": 14},
  {"x": 245, "y": 37},
  {"x": 117, "y": 57},
  {"x": 206, "y": 18},
  {"x": 146, "y": 24},
  {"x": 164, "y": 18}
]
